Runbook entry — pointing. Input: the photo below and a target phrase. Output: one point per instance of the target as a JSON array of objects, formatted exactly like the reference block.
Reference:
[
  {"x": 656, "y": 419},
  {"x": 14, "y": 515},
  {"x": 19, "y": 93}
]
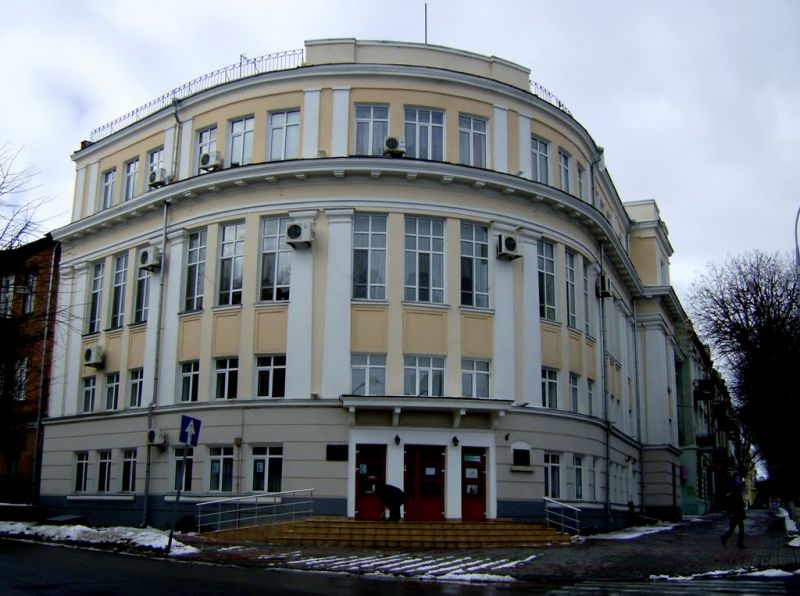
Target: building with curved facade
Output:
[{"x": 381, "y": 263}]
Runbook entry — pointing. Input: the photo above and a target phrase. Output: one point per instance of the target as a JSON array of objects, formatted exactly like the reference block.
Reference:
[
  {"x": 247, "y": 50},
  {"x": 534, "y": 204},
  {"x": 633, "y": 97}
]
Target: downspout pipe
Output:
[
  {"x": 604, "y": 381},
  {"x": 636, "y": 388}
]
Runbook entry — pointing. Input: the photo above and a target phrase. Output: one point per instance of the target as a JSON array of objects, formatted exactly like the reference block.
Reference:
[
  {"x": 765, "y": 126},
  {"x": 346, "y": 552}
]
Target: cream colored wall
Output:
[
  {"x": 477, "y": 332},
  {"x": 643, "y": 253},
  {"x": 369, "y": 329},
  {"x": 424, "y": 331},
  {"x": 270, "y": 330}
]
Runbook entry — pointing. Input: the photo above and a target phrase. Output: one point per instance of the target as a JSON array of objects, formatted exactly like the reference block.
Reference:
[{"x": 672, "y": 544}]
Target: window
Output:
[
  {"x": 587, "y": 319},
  {"x": 131, "y": 177},
  {"x": 6, "y": 295},
  {"x": 549, "y": 388},
  {"x": 547, "y": 281},
  {"x": 231, "y": 261},
  {"x": 474, "y": 265},
  {"x": 539, "y": 160},
  {"x": 578, "y": 467},
  {"x": 563, "y": 167},
  {"x": 276, "y": 259},
  {"x": 108, "y": 189},
  {"x": 552, "y": 476},
  {"x": 424, "y": 130},
  {"x": 424, "y": 262},
  {"x": 112, "y": 391},
  {"x": 573, "y": 392},
  {"x": 572, "y": 314},
  {"x": 372, "y": 128},
  {"x": 135, "y": 387},
  {"x": 96, "y": 298},
  {"x": 183, "y": 471},
  {"x": 118, "y": 291},
  {"x": 142, "y": 295},
  {"x": 271, "y": 376},
  {"x": 155, "y": 161},
  {"x": 227, "y": 378},
  {"x": 30, "y": 292},
  {"x": 368, "y": 373},
  {"x": 190, "y": 378},
  {"x": 89, "y": 388},
  {"x": 581, "y": 183},
  {"x": 104, "y": 471},
  {"x": 81, "y": 471},
  {"x": 20, "y": 379},
  {"x": 474, "y": 378},
  {"x": 241, "y": 141},
  {"x": 206, "y": 143},
  {"x": 472, "y": 141},
  {"x": 423, "y": 376},
  {"x": 220, "y": 477},
  {"x": 521, "y": 456},
  {"x": 267, "y": 468},
  {"x": 590, "y": 396},
  {"x": 284, "y": 135},
  {"x": 195, "y": 270},
  {"x": 128, "y": 470},
  {"x": 369, "y": 257}
]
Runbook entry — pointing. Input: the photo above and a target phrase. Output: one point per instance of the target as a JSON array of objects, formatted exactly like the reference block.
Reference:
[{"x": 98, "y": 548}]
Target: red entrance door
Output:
[
  {"x": 424, "y": 482},
  {"x": 473, "y": 483},
  {"x": 370, "y": 478}
]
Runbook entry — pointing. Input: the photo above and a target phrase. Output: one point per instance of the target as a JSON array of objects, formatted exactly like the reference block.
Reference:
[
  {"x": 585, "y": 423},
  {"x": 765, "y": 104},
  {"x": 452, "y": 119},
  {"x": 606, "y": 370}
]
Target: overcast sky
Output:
[{"x": 697, "y": 103}]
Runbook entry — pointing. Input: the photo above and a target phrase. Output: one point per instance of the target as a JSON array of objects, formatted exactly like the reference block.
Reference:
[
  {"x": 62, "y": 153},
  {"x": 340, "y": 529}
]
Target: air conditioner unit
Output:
[
  {"x": 210, "y": 161},
  {"x": 157, "y": 437},
  {"x": 604, "y": 287},
  {"x": 299, "y": 234},
  {"x": 150, "y": 259},
  {"x": 94, "y": 356},
  {"x": 394, "y": 147},
  {"x": 158, "y": 178},
  {"x": 508, "y": 247}
]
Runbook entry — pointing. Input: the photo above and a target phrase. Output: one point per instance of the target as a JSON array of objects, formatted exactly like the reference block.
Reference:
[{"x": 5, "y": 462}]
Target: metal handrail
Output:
[
  {"x": 542, "y": 92},
  {"x": 564, "y": 517},
  {"x": 246, "y": 67},
  {"x": 254, "y": 510}
]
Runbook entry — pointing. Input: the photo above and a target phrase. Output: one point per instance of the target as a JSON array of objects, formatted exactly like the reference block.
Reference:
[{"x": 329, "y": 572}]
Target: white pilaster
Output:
[
  {"x": 531, "y": 329},
  {"x": 187, "y": 134},
  {"x": 70, "y": 361},
  {"x": 78, "y": 197},
  {"x": 169, "y": 151},
  {"x": 91, "y": 199},
  {"x": 504, "y": 386},
  {"x": 310, "y": 122},
  {"x": 525, "y": 146},
  {"x": 500, "y": 137},
  {"x": 341, "y": 121},
  {"x": 336, "y": 341},
  {"x": 172, "y": 267}
]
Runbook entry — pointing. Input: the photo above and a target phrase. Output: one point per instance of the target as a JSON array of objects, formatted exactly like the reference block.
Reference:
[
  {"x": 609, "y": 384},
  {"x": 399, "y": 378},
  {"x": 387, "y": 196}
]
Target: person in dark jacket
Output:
[
  {"x": 735, "y": 507},
  {"x": 393, "y": 498}
]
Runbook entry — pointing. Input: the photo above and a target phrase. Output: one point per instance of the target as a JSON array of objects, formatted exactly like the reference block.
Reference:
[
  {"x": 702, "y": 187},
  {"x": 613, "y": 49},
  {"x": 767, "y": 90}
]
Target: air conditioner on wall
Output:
[
  {"x": 604, "y": 287},
  {"x": 210, "y": 161},
  {"x": 158, "y": 178},
  {"x": 508, "y": 247},
  {"x": 94, "y": 356},
  {"x": 150, "y": 259},
  {"x": 157, "y": 437},
  {"x": 299, "y": 234},
  {"x": 394, "y": 147}
]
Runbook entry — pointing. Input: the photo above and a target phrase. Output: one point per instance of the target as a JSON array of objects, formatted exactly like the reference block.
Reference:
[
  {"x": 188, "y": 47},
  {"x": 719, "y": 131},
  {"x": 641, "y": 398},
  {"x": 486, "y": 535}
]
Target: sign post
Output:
[{"x": 189, "y": 434}]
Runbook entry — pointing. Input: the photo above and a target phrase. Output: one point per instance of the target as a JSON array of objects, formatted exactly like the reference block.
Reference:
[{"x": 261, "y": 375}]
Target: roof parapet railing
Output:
[
  {"x": 246, "y": 67},
  {"x": 542, "y": 92},
  {"x": 561, "y": 516}
]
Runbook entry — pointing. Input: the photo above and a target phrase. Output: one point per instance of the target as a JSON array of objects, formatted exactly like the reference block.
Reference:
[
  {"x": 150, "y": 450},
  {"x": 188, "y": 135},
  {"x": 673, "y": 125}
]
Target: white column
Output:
[
  {"x": 531, "y": 329},
  {"x": 299, "y": 340},
  {"x": 500, "y": 136},
  {"x": 70, "y": 362},
  {"x": 340, "y": 121},
  {"x": 169, "y": 150},
  {"x": 78, "y": 197},
  {"x": 525, "y": 146},
  {"x": 171, "y": 266},
  {"x": 310, "y": 122},
  {"x": 452, "y": 477},
  {"x": 504, "y": 386},
  {"x": 185, "y": 150},
  {"x": 336, "y": 341},
  {"x": 90, "y": 200}
]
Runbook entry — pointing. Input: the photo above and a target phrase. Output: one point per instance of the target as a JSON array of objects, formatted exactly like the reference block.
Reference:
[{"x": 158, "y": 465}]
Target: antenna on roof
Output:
[{"x": 426, "y": 23}]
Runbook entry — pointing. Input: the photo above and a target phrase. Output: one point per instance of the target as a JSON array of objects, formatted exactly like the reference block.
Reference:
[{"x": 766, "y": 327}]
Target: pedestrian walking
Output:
[{"x": 735, "y": 507}]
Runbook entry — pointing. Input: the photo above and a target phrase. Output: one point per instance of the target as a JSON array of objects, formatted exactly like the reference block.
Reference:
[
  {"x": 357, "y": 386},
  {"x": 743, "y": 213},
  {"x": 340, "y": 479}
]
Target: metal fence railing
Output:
[
  {"x": 254, "y": 510},
  {"x": 542, "y": 92},
  {"x": 561, "y": 516}
]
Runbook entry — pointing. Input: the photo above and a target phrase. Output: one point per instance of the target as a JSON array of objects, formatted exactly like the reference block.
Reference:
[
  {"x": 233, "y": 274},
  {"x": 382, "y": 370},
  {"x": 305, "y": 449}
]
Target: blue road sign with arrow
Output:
[{"x": 190, "y": 430}]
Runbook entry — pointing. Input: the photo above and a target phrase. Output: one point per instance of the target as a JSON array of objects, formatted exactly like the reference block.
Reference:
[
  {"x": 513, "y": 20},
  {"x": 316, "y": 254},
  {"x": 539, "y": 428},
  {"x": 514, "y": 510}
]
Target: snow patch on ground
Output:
[
  {"x": 769, "y": 573},
  {"x": 148, "y": 538},
  {"x": 470, "y": 577},
  {"x": 708, "y": 574},
  {"x": 795, "y": 542},
  {"x": 632, "y": 532}
]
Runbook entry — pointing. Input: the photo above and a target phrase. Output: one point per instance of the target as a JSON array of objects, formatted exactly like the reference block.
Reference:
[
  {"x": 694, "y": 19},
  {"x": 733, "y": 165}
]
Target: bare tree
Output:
[{"x": 17, "y": 216}]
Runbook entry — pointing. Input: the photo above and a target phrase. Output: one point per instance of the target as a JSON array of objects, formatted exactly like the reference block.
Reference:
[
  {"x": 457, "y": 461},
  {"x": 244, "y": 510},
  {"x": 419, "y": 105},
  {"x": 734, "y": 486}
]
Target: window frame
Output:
[
  {"x": 245, "y": 137},
  {"x": 267, "y": 455},
  {"x": 131, "y": 178},
  {"x": 104, "y": 464},
  {"x": 547, "y": 280},
  {"x": 472, "y": 370},
  {"x": 128, "y": 480},
  {"x": 549, "y": 388},
  {"x": 112, "y": 391},
  {"x": 429, "y": 129},
  {"x": 95, "y": 314},
  {"x": 227, "y": 371},
  {"x": 371, "y": 131},
  {"x": 21, "y": 379},
  {"x": 28, "y": 298},
  {"x": 413, "y": 292},
  {"x": 434, "y": 369},
  {"x": 190, "y": 381},
  {"x": 570, "y": 258},
  {"x": 135, "y": 387},
  {"x": 574, "y": 383},
  {"x": 221, "y": 480},
  {"x": 274, "y": 365},
  {"x": 205, "y": 145},
  {"x": 564, "y": 159},
  {"x": 89, "y": 391},
  {"x": 7, "y": 295},
  {"x": 363, "y": 367},
  {"x": 107, "y": 189},
  {"x": 468, "y": 158},
  {"x": 155, "y": 161},
  {"x": 81, "y": 471},
  {"x": 231, "y": 265},
  {"x": 195, "y": 270},
  {"x": 577, "y": 464},
  {"x": 552, "y": 475},
  {"x": 142, "y": 298},
  {"x": 119, "y": 284},
  {"x": 540, "y": 160},
  {"x": 275, "y": 251},
  {"x": 373, "y": 256},
  {"x": 184, "y": 478},
  {"x": 286, "y": 130},
  {"x": 474, "y": 266}
]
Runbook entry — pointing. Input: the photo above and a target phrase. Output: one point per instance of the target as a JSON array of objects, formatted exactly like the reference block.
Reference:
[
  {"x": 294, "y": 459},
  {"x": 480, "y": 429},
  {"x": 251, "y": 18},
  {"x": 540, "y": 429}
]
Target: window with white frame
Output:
[
  {"x": 372, "y": 128},
  {"x": 369, "y": 257},
  {"x": 572, "y": 307},
  {"x": 368, "y": 374},
  {"x": 190, "y": 380},
  {"x": 587, "y": 303},
  {"x": 120, "y": 280},
  {"x": 135, "y": 387},
  {"x": 195, "y": 270},
  {"x": 112, "y": 391},
  {"x": 573, "y": 392},
  {"x": 549, "y": 388},
  {"x": 540, "y": 171},
  {"x": 96, "y": 298},
  {"x": 142, "y": 294},
  {"x": 108, "y": 189},
  {"x": 155, "y": 161},
  {"x": 241, "y": 141},
  {"x": 30, "y": 293},
  {"x": 6, "y": 295},
  {"x": 424, "y": 131},
  {"x": 424, "y": 260},
  {"x": 220, "y": 472},
  {"x": 590, "y": 397},
  {"x": 581, "y": 183},
  {"x": 184, "y": 462},
  {"x": 423, "y": 376},
  {"x": 474, "y": 265},
  {"x": 577, "y": 465},
  {"x": 474, "y": 378},
  {"x": 472, "y": 141},
  {"x": 276, "y": 259},
  {"x": 131, "y": 178},
  {"x": 20, "y": 379},
  {"x": 231, "y": 263},
  {"x": 128, "y": 470},
  {"x": 563, "y": 168},
  {"x": 547, "y": 280},
  {"x": 81, "y": 471},
  {"x": 271, "y": 376},
  {"x": 227, "y": 378},
  {"x": 89, "y": 390},
  {"x": 206, "y": 144},
  {"x": 267, "y": 468},
  {"x": 103, "y": 471},
  {"x": 593, "y": 492},
  {"x": 552, "y": 475},
  {"x": 284, "y": 135}
]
